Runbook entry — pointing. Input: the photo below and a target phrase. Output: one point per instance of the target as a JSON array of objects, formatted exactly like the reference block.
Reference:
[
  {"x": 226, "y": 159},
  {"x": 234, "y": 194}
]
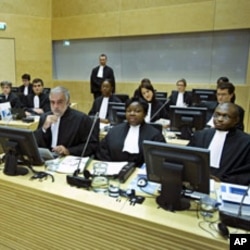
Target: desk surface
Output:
[
  {"x": 46, "y": 215},
  {"x": 20, "y": 124}
]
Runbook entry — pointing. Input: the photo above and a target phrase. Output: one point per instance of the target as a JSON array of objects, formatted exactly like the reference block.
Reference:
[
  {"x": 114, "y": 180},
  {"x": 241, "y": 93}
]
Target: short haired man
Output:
[
  {"x": 229, "y": 146},
  {"x": 64, "y": 130},
  {"x": 8, "y": 96},
  {"x": 26, "y": 87},
  {"x": 98, "y": 74},
  {"x": 226, "y": 93},
  {"x": 37, "y": 102}
]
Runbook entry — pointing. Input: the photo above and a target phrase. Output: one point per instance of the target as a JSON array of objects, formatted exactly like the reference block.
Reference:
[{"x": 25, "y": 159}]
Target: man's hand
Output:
[
  {"x": 61, "y": 150},
  {"x": 49, "y": 120}
]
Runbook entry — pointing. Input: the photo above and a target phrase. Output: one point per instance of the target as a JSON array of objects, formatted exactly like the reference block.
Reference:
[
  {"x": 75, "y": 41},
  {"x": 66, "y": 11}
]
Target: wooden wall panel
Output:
[
  {"x": 231, "y": 14},
  {"x": 29, "y": 23},
  {"x": 7, "y": 62}
]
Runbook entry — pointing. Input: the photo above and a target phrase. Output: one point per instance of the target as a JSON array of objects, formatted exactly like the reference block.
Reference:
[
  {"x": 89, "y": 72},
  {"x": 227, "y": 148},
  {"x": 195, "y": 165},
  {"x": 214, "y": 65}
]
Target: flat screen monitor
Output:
[
  {"x": 203, "y": 95},
  {"x": 186, "y": 120},
  {"x": 159, "y": 94},
  {"x": 110, "y": 112},
  {"x": 19, "y": 146},
  {"x": 118, "y": 114},
  {"x": 177, "y": 169}
]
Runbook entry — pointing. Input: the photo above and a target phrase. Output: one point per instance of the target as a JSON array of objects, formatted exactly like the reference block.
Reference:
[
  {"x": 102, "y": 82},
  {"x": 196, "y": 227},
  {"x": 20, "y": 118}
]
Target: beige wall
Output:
[
  {"x": 33, "y": 24},
  {"x": 29, "y": 24}
]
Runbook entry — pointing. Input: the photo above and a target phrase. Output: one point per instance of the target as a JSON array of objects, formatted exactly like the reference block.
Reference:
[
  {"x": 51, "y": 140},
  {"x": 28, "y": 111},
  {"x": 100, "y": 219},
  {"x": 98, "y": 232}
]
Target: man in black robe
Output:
[
  {"x": 234, "y": 145},
  {"x": 98, "y": 74},
  {"x": 64, "y": 130}
]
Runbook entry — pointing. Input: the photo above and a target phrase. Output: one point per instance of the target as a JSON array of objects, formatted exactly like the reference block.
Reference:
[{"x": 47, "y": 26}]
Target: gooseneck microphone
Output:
[
  {"x": 159, "y": 110},
  {"x": 75, "y": 180}
]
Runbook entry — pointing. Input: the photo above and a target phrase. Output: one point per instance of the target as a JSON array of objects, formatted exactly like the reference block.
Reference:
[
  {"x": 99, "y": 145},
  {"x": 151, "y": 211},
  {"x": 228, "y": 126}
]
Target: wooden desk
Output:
[
  {"x": 46, "y": 215},
  {"x": 20, "y": 124}
]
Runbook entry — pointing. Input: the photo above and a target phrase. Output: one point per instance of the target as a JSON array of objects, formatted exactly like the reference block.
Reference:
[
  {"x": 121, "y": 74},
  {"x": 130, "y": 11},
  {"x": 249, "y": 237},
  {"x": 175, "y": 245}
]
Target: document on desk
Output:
[
  {"x": 113, "y": 167},
  {"x": 67, "y": 165}
]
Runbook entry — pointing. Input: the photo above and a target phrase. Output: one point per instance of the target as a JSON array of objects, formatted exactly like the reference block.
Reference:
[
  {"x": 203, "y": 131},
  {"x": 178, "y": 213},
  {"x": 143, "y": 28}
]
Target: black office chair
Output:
[
  {"x": 46, "y": 90},
  {"x": 122, "y": 97}
]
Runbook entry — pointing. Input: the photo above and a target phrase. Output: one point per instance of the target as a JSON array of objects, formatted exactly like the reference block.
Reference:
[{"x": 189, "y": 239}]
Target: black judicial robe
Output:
[
  {"x": 73, "y": 132},
  {"x": 13, "y": 99},
  {"x": 44, "y": 103},
  {"x": 98, "y": 102},
  {"x": 187, "y": 98},
  {"x": 110, "y": 148},
  {"x": 95, "y": 82},
  {"x": 235, "y": 158}
]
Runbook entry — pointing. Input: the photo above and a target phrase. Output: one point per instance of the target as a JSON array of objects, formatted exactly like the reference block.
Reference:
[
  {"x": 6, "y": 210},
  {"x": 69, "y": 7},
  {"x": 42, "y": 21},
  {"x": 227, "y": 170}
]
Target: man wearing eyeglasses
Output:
[{"x": 226, "y": 93}]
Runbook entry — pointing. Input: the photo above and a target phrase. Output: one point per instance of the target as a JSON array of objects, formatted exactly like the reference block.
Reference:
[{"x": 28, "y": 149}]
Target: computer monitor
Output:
[
  {"x": 111, "y": 114},
  {"x": 186, "y": 120},
  {"x": 177, "y": 169},
  {"x": 159, "y": 94},
  {"x": 202, "y": 95},
  {"x": 118, "y": 115},
  {"x": 19, "y": 146}
]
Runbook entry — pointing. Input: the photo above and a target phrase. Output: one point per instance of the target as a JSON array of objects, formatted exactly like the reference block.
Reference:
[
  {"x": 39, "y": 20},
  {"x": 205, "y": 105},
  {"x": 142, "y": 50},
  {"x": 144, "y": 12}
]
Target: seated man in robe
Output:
[
  {"x": 229, "y": 146},
  {"x": 64, "y": 130},
  {"x": 37, "y": 102}
]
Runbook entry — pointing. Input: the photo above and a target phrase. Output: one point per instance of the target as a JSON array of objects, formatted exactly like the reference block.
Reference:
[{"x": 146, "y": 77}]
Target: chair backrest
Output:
[
  {"x": 122, "y": 97},
  {"x": 46, "y": 90}
]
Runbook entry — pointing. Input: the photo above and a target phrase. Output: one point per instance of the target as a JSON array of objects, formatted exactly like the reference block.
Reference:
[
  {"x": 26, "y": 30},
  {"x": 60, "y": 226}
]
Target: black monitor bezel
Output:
[
  {"x": 182, "y": 155},
  {"x": 21, "y": 145},
  {"x": 203, "y": 95}
]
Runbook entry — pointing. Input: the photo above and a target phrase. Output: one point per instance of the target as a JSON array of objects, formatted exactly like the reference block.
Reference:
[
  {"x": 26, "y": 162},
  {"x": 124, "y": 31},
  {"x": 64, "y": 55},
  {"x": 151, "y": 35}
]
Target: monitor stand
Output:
[
  {"x": 171, "y": 197},
  {"x": 10, "y": 167}
]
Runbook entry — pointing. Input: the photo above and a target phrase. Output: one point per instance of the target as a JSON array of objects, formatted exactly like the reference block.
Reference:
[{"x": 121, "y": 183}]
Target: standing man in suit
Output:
[{"x": 98, "y": 74}]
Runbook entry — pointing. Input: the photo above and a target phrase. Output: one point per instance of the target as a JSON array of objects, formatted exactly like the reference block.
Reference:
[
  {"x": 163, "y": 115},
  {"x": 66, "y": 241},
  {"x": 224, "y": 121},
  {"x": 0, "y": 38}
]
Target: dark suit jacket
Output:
[
  {"x": 44, "y": 103},
  {"x": 111, "y": 146},
  {"x": 13, "y": 99},
  {"x": 98, "y": 102},
  {"x": 73, "y": 132},
  {"x": 95, "y": 82},
  {"x": 235, "y": 158},
  {"x": 155, "y": 107}
]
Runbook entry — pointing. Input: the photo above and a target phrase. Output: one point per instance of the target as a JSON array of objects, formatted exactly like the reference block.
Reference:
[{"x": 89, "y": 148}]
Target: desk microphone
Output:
[
  {"x": 158, "y": 111},
  {"x": 75, "y": 180}
]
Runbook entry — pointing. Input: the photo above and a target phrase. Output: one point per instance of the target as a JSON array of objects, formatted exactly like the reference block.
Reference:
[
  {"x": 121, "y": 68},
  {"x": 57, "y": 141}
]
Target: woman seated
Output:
[
  {"x": 124, "y": 141},
  {"x": 156, "y": 110},
  {"x": 101, "y": 103},
  {"x": 180, "y": 97}
]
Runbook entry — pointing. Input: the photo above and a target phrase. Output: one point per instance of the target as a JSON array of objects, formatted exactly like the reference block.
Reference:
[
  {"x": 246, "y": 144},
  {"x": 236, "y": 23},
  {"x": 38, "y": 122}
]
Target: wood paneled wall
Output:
[{"x": 29, "y": 24}]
